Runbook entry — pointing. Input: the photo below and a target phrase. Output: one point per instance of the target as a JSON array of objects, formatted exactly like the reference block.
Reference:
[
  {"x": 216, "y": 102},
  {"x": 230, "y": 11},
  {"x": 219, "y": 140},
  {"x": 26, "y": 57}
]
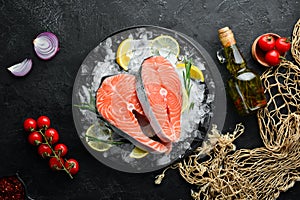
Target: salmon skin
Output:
[
  {"x": 118, "y": 105},
  {"x": 160, "y": 94}
]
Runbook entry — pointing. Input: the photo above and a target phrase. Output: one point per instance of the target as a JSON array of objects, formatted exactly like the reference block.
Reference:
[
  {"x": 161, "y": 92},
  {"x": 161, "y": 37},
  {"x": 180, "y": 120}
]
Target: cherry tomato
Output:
[
  {"x": 35, "y": 138},
  {"x": 283, "y": 44},
  {"x": 51, "y": 135},
  {"x": 44, "y": 150},
  {"x": 61, "y": 149},
  {"x": 29, "y": 124},
  {"x": 72, "y": 166},
  {"x": 266, "y": 42},
  {"x": 43, "y": 122},
  {"x": 272, "y": 57},
  {"x": 55, "y": 163}
]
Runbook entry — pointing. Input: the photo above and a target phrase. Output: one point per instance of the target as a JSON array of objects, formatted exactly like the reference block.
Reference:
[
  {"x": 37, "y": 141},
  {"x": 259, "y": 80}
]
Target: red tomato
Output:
[
  {"x": 44, "y": 150},
  {"x": 55, "y": 163},
  {"x": 35, "y": 138},
  {"x": 272, "y": 57},
  {"x": 72, "y": 166},
  {"x": 29, "y": 124},
  {"x": 51, "y": 135},
  {"x": 61, "y": 149},
  {"x": 43, "y": 122},
  {"x": 266, "y": 42},
  {"x": 283, "y": 44}
]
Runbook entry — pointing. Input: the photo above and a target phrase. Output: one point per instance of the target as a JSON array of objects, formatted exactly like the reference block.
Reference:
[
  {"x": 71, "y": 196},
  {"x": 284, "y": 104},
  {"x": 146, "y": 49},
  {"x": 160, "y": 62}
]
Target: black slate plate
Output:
[{"x": 100, "y": 62}]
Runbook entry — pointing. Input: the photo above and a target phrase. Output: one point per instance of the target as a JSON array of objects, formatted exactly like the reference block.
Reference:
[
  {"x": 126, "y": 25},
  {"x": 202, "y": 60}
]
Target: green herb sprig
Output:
[
  {"x": 89, "y": 105},
  {"x": 112, "y": 142},
  {"x": 187, "y": 76},
  {"x": 187, "y": 80}
]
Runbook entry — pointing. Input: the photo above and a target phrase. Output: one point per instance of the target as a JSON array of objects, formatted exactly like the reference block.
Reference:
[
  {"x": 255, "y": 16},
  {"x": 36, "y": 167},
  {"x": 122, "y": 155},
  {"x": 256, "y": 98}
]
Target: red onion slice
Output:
[
  {"x": 46, "y": 45},
  {"x": 21, "y": 69}
]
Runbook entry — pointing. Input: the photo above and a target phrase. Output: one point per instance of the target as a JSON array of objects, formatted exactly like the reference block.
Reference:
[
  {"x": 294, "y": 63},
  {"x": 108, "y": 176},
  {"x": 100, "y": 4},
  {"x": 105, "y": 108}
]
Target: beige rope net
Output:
[
  {"x": 260, "y": 173},
  {"x": 282, "y": 88},
  {"x": 296, "y": 42}
]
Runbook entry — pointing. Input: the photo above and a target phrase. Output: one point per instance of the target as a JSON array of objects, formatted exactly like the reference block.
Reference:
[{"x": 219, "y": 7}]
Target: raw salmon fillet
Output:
[
  {"x": 117, "y": 102},
  {"x": 160, "y": 94}
]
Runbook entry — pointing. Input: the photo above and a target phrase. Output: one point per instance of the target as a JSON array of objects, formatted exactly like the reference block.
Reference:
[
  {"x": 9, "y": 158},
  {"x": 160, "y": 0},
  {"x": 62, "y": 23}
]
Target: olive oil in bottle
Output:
[{"x": 244, "y": 86}]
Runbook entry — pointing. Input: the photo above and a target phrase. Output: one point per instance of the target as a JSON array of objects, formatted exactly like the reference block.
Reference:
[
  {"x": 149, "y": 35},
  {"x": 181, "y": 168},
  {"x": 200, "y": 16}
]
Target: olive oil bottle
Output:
[{"x": 244, "y": 86}]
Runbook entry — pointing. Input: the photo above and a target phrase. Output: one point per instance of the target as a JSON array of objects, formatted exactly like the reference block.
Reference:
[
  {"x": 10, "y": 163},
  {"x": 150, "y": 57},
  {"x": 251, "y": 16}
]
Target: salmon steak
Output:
[
  {"x": 118, "y": 104},
  {"x": 160, "y": 94}
]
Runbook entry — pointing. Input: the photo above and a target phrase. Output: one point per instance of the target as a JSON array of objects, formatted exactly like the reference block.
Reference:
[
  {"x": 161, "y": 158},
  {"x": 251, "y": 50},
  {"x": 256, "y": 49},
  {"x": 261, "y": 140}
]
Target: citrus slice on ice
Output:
[
  {"x": 96, "y": 135},
  {"x": 124, "y": 53},
  {"x": 138, "y": 153},
  {"x": 195, "y": 72},
  {"x": 165, "y": 45}
]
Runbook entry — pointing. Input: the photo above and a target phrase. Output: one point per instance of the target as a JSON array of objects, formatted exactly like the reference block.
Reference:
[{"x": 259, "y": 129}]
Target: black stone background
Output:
[{"x": 80, "y": 25}]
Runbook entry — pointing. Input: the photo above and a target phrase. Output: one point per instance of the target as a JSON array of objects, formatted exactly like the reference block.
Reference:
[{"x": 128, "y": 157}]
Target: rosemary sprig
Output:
[
  {"x": 88, "y": 106},
  {"x": 91, "y": 138},
  {"x": 187, "y": 76},
  {"x": 191, "y": 107}
]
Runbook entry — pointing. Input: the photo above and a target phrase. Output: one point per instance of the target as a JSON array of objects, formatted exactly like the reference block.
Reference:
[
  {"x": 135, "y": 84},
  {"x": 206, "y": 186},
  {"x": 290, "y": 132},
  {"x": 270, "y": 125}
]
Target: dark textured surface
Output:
[{"x": 80, "y": 26}]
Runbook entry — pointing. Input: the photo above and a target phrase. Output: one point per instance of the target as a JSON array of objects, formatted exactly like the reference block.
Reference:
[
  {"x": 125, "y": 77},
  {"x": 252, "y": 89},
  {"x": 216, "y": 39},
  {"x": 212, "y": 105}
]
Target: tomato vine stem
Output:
[{"x": 55, "y": 154}]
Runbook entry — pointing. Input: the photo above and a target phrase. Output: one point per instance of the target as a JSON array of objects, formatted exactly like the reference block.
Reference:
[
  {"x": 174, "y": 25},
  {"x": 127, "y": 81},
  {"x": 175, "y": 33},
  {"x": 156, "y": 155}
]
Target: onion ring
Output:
[{"x": 46, "y": 45}]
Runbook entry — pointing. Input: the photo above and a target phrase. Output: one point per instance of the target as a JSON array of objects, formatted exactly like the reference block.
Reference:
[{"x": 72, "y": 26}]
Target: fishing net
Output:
[
  {"x": 296, "y": 42},
  {"x": 260, "y": 173},
  {"x": 282, "y": 88}
]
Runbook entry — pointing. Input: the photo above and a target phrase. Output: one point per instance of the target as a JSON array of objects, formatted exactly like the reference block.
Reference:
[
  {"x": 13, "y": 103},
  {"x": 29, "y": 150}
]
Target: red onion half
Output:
[
  {"x": 46, "y": 45},
  {"x": 21, "y": 69}
]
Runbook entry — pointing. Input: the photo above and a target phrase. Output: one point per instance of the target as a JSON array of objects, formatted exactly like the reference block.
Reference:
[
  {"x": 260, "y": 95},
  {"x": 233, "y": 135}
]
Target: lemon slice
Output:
[
  {"x": 165, "y": 45},
  {"x": 185, "y": 100},
  {"x": 94, "y": 136},
  {"x": 138, "y": 153},
  {"x": 195, "y": 72},
  {"x": 124, "y": 53}
]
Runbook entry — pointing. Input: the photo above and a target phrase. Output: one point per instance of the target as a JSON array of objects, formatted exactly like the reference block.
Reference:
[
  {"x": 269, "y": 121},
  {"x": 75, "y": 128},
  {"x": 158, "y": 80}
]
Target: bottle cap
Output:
[{"x": 226, "y": 36}]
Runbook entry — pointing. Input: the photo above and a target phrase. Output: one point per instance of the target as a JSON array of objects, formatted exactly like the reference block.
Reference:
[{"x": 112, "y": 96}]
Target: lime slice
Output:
[
  {"x": 96, "y": 135},
  {"x": 124, "y": 53},
  {"x": 165, "y": 45},
  {"x": 195, "y": 72},
  {"x": 138, "y": 153}
]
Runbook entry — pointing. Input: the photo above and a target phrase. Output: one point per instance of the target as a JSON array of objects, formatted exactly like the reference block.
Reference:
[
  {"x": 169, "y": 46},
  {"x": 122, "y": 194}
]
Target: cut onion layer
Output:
[
  {"x": 46, "y": 45},
  {"x": 21, "y": 69}
]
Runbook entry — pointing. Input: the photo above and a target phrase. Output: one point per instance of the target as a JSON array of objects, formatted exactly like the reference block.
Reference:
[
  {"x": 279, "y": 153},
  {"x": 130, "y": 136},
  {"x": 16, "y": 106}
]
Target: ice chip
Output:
[
  {"x": 108, "y": 43},
  {"x": 210, "y": 98},
  {"x": 105, "y": 154},
  {"x": 186, "y": 145},
  {"x": 84, "y": 69}
]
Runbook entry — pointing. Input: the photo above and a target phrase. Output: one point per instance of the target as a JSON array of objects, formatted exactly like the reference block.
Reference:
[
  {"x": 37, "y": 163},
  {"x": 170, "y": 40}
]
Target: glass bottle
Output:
[{"x": 244, "y": 86}]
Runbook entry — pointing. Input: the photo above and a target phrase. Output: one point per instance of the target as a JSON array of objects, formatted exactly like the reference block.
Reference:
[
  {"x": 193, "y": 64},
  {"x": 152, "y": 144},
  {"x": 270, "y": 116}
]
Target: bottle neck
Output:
[{"x": 234, "y": 58}]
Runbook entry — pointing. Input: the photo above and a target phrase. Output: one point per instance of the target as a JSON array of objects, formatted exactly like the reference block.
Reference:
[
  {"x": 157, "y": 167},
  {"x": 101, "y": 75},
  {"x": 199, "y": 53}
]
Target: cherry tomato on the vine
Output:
[
  {"x": 72, "y": 166},
  {"x": 266, "y": 42},
  {"x": 61, "y": 149},
  {"x": 35, "y": 138},
  {"x": 272, "y": 57},
  {"x": 29, "y": 124},
  {"x": 56, "y": 164},
  {"x": 283, "y": 44},
  {"x": 44, "y": 150},
  {"x": 52, "y": 135},
  {"x": 43, "y": 122}
]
